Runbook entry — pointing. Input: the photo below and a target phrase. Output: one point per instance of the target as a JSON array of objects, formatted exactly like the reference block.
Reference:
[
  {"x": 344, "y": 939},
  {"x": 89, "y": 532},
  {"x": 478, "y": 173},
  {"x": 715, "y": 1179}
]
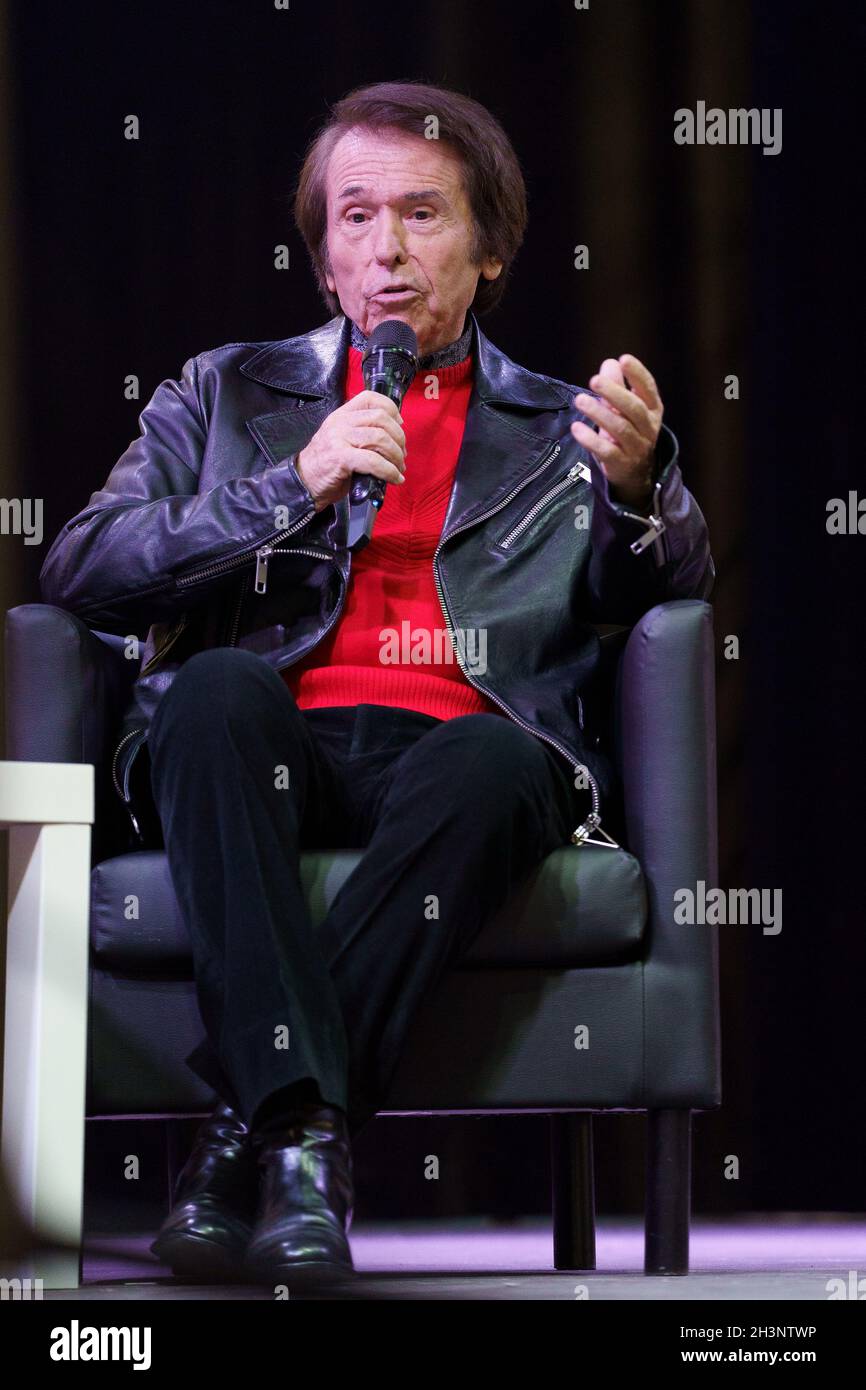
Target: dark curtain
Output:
[{"x": 706, "y": 262}]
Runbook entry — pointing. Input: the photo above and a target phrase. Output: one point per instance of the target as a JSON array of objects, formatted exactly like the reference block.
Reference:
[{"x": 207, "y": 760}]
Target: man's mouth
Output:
[{"x": 394, "y": 293}]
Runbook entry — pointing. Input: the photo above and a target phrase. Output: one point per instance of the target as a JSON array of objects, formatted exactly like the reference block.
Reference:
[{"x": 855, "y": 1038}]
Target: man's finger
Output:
[
  {"x": 628, "y": 403},
  {"x": 610, "y": 367},
  {"x": 641, "y": 381},
  {"x": 605, "y": 450},
  {"x": 613, "y": 422}
]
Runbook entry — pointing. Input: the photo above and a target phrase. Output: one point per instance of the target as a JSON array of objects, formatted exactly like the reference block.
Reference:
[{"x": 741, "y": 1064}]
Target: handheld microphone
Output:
[{"x": 389, "y": 366}]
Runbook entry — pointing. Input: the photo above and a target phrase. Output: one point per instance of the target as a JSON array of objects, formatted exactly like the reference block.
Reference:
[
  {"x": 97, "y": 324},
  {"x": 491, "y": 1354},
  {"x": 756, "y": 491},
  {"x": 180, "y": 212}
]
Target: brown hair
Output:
[{"x": 493, "y": 180}]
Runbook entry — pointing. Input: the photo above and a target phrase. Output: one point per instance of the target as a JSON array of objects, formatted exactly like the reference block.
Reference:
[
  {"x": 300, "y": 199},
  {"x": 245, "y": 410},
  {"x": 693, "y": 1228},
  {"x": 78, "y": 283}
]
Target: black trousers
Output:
[{"x": 451, "y": 813}]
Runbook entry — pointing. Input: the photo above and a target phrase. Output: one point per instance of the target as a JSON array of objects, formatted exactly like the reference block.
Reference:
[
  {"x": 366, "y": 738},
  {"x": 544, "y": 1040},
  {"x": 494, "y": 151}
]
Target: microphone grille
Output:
[{"x": 394, "y": 333}]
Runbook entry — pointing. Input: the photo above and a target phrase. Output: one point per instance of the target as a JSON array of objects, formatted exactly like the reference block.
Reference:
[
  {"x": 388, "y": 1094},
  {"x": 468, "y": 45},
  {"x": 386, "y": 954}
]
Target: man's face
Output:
[{"x": 399, "y": 235}]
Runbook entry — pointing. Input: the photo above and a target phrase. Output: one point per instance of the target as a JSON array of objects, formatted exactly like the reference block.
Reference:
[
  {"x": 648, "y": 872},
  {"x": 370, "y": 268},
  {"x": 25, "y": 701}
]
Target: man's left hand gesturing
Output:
[{"x": 629, "y": 420}]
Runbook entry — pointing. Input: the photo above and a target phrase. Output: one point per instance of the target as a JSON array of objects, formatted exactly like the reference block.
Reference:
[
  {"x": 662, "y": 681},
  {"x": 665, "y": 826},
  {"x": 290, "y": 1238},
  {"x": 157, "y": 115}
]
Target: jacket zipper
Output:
[
  {"x": 242, "y": 557},
  {"x": 653, "y": 524},
  {"x": 292, "y": 550},
  {"x": 233, "y": 630},
  {"x": 236, "y": 617},
  {"x": 582, "y": 835},
  {"x": 123, "y": 791},
  {"x": 551, "y": 454},
  {"x": 562, "y": 486},
  {"x": 264, "y": 553}
]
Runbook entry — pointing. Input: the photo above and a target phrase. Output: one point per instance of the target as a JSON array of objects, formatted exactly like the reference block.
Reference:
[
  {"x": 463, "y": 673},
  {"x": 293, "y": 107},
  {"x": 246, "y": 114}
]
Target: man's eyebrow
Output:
[
  {"x": 415, "y": 195},
  {"x": 424, "y": 195}
]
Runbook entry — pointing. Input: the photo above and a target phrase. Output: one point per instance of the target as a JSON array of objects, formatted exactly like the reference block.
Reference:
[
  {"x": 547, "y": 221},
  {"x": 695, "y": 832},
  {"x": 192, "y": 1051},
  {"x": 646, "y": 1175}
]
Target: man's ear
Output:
[
  {"x": 491, "y": 268},
  {"x": 326, "y": 270}
]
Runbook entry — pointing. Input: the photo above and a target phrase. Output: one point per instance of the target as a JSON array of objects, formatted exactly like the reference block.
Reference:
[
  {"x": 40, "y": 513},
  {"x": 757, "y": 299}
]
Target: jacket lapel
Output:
[
  {"x": 495, "y": 456},
  {"x": 312, "y": 370}
]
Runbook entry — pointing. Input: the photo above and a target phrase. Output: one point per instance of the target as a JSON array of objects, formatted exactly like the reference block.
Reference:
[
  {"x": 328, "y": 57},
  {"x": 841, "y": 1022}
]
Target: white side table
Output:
[{"x": 48, "y": 809}]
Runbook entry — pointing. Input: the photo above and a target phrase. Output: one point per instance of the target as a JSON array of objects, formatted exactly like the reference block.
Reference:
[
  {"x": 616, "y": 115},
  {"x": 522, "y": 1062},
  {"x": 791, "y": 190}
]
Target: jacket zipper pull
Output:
[
  {"x": 654, "y": 528},
  {"x": 593, "y": 826},
  {"x": 262, "y": 568},
  {"x": 585, "y": 829}
]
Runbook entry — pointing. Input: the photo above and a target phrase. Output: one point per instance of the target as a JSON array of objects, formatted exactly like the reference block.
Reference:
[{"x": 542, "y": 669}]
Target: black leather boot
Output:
[
  {"x": 206, "y": 1232},
  {"x": 306, "y": 1200}
]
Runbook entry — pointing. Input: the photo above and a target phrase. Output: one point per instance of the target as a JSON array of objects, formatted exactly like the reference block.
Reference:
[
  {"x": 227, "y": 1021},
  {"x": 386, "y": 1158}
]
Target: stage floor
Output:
[{"x": 788, "y": 1256}]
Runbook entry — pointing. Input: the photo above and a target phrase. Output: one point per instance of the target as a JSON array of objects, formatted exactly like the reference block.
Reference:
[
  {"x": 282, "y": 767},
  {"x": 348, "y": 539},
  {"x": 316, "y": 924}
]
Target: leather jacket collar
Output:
[{"x": 312, "y": 367}]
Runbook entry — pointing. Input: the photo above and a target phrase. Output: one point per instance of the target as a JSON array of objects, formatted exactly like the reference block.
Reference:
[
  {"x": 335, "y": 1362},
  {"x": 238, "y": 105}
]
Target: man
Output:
[{"x": 273, "y": 711}]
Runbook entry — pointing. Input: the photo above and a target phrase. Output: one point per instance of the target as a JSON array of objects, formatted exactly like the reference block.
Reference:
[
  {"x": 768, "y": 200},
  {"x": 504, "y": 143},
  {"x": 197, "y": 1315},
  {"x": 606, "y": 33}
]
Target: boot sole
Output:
[
  {"x": 301, "y": 1274},
  {"x": 192, "y": 1257}
]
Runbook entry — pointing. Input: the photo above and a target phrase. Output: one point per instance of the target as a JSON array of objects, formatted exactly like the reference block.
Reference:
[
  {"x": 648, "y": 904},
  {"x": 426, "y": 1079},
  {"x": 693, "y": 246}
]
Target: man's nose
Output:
[{"x": 389, "y": 244}]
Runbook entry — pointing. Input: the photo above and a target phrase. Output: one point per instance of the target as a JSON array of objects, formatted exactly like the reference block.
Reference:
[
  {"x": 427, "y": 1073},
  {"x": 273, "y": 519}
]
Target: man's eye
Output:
[
  {"x": 353, "y": 215},
  {"x": 423, "y": 212}
]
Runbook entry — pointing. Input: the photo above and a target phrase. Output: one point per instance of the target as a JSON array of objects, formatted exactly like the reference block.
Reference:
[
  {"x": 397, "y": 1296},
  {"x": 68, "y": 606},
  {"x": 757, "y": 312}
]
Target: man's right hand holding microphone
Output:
[{"x": 363, "y": 436}]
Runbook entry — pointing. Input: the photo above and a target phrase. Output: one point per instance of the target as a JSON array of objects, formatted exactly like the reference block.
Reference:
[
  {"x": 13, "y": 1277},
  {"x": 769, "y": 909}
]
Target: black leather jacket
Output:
[{"x": 204, "y": 535}]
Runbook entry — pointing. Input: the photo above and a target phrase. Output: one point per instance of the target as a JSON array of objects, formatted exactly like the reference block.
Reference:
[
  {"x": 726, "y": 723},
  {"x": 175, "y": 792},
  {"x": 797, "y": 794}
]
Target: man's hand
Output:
[
  {"x": 629, "y": 420},
  {"x": 362, "y": 436}
]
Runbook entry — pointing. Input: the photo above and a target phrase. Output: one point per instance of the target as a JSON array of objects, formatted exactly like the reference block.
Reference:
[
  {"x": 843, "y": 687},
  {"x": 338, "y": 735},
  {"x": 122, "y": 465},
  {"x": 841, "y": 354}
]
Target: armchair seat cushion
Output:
[{"x": 583, "y": 906}]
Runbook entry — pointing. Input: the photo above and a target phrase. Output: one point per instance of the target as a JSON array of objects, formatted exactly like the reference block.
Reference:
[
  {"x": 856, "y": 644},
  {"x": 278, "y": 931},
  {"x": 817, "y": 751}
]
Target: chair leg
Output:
[
  {"x": 668, "y": 1191},
  {"x": 573, "y": 1191},
  {"x": 45, "y": 1090}
]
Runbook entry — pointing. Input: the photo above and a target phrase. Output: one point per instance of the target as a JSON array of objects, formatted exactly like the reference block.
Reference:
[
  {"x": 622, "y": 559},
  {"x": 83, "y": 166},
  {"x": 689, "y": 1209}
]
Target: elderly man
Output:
[{"x": 270, "y": 714}]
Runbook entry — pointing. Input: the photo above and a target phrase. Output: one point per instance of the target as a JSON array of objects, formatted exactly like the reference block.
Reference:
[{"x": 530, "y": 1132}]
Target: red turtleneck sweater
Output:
[{"x": 392, "y": 609}]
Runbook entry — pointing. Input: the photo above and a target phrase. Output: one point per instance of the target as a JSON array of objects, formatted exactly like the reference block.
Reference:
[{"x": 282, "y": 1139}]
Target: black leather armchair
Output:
[{"x": 584, "y": 995}]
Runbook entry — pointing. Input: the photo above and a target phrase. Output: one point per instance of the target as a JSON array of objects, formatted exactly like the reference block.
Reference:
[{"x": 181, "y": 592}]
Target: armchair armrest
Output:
[
  {"x": 66, "y": 686},
  {"x": 665, "y": 748},
  {"x": 66, "y": 690}
]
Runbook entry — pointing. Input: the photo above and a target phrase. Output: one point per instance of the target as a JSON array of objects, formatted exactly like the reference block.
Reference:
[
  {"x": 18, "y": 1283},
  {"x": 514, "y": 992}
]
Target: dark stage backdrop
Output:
[{"x": 707, "y": 262}]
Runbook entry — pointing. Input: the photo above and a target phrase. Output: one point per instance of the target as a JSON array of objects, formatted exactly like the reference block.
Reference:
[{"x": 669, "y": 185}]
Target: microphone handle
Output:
[{"x": 367, "y": 487}]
